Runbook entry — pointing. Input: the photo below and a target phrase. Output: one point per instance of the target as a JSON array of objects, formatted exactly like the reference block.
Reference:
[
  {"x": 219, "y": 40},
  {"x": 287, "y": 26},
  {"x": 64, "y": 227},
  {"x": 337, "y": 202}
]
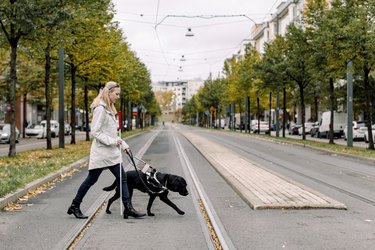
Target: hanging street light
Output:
[{"x": 189, "y": 33}]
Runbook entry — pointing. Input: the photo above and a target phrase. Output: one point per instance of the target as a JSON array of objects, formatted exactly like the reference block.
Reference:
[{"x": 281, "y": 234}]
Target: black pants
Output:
[{"x": 93, "y": 176}]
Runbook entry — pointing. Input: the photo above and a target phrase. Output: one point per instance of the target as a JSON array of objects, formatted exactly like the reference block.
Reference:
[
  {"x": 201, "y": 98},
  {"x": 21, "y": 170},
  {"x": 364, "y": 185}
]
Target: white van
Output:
[
  {"x": 339, "y": 123},
  {"x": 54, "y": 127},
  {"x": 222, "y": 123}
]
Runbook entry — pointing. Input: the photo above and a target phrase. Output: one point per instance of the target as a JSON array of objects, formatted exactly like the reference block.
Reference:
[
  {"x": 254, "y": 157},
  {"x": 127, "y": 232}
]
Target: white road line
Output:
[
  {"x": 223, "y": 237},
  {"x": 69, "y": 238}
]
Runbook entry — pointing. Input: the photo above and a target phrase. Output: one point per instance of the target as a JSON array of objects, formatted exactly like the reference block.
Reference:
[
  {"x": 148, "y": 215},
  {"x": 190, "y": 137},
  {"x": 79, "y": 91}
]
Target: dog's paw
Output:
[
  {"x": 181, "y": 212},
  {"x": 150, "y": 214},
  {"x": 108, "y": 212}
]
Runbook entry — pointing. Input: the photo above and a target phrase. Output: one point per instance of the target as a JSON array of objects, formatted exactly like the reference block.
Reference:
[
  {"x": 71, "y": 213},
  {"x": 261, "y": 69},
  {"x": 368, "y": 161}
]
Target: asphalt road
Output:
[
  {"x": 30, "y": 143},
  {"x": 348, "y": 180},
  {"x": 43, "y": 222}
]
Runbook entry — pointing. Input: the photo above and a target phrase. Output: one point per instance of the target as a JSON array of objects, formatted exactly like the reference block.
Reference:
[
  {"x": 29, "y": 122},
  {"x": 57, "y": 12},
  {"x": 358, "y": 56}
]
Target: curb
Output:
[{"x": 13, "y": 197}]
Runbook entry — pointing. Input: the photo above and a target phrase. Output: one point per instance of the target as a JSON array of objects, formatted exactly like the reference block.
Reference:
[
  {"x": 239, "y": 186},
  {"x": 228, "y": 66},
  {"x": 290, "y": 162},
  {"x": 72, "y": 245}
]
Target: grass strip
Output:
[{"x": 27, "y": 166}]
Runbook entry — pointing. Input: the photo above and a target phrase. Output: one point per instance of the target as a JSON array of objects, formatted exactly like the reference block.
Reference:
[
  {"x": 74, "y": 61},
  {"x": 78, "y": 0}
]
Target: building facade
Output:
[
  {"x": 182, "y": 91},
  {"x": 287, "y": 12}
]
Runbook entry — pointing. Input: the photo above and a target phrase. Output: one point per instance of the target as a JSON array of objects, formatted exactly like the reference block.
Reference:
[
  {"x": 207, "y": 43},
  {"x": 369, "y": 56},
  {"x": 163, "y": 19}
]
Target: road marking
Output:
[{"x": 223, "y": 237}]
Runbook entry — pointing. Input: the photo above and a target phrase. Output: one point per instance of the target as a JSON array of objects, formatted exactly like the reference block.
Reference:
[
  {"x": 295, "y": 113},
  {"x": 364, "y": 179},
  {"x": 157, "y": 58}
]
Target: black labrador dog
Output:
[{"x": 158, "y": 186}]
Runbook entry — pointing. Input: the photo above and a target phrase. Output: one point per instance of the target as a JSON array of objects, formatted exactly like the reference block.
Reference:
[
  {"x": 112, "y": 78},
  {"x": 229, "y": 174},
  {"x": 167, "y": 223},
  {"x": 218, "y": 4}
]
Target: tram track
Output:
[
  {"x": 219, "y": 237},
  {"x": 300, "y": 173},
  {"x": 76, "y": 233},
  {"x": 216, "y": 237}
]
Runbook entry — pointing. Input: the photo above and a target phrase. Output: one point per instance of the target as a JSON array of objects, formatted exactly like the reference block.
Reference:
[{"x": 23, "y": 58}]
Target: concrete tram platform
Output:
[{"x": 260, "y": 188}]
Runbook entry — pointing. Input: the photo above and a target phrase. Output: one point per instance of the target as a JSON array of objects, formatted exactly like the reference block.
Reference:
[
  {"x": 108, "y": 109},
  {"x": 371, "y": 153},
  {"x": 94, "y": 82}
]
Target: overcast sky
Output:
[{"x": 156, "y": 29}]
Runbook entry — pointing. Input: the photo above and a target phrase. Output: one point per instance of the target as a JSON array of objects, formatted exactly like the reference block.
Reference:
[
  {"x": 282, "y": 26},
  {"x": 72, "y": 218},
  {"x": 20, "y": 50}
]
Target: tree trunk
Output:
[
  {"x": 73, "y": 70},
  {"x": 122, "y": 114},
  {"x": 284, "y": 111},
  {"x": 24, "y": 118},
  {"x": 130, "y": 123},
  {"x": 301, "y": 92},
  {"x": 87, "y": 113},
  {"x": 48, "y": 94},
  {"x": 258, "y": 115},
  {"x": 332, "y": 107},
  {"x": 270, "y": 114},
  {"x": 368, "y": 106},
  {"x": 12, "y": 102}
]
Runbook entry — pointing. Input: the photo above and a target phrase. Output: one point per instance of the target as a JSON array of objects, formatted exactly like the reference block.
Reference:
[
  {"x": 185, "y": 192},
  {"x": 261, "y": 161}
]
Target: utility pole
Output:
[
  {"x": 349, "y": 93},
  {"x": 61, "y": 99},
  {"x": 277, "y": 91}
]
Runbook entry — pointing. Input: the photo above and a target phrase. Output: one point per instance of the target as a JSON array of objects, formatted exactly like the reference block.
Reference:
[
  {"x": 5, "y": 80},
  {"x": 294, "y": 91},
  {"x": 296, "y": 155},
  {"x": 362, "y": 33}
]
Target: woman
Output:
[{"x": 105, "y": 150}]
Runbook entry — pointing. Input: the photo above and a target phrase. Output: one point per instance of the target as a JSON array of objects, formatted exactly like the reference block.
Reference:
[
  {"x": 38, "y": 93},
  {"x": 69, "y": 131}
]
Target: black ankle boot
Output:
[
  {"x": 74, "y": 209},
  {"x": 130, "y": 211}
]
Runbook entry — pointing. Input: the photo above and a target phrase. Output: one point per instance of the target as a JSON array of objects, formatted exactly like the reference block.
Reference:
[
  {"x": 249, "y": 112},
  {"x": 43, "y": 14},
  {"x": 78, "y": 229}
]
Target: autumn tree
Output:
[
  {"x": 299, "y": 63},
  {"x": 89, "y": 21},
  {"x": 19, "y": 18},
  {"x": 164, "y": 98},
  {"x": 211, "y": 95}
]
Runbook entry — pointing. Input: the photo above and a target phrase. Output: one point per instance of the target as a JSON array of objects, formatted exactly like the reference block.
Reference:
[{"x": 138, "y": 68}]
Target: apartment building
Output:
[
  {"x": 182, "y": 91},
  {"x": 287, "y": 12}
]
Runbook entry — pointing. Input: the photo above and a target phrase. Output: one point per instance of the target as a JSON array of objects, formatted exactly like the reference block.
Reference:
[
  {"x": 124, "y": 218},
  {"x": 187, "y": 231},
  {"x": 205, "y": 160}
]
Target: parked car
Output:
[
  {"x": 263, "y": 127},
  {"x": 314, "y": 131},
  {"x": 308, "y": 126},
  {"x": 5, "y": 133},
  {"x": 293, "y": 129},
  {"x": 54, "y": 127},
  {"x": 36, "y": 130},
  {"x": 365, "y": 132},
  {"x": 67, "y": 129},
  {"x": 358, "y": 134}
]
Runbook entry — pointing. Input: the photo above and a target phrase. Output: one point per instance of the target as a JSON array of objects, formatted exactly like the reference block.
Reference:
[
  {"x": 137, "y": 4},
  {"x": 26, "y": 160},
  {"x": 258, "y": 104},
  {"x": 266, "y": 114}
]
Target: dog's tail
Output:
[{"x": 111, "y": 187}]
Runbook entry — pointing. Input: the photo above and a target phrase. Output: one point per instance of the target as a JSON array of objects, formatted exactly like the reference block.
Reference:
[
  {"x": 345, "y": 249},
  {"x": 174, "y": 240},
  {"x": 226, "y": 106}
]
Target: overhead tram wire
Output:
[
  {"x": 179, "y": 26},
  {"x": 157, "y": 36},
  {"x": 157, "y": 12},
  {"x": 203, "y": 17},
  {"x": 269, "y": 11}
]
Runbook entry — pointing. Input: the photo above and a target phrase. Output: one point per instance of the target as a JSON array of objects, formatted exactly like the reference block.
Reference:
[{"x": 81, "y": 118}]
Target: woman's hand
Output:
[{"x": 119, "y": 141}]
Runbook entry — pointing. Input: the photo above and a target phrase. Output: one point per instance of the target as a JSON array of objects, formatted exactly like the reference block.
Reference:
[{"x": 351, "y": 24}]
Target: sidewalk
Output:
[{"x": 260, "y": 188}]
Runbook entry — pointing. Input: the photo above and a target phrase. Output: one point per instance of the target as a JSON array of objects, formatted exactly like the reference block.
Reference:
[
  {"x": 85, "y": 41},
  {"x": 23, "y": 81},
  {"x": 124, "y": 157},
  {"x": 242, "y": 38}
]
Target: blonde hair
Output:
[{"x": 104, "y": 96}]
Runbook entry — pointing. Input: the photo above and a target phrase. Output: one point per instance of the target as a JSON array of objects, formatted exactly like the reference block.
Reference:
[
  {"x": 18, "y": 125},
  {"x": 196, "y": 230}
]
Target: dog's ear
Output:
[
  {"x": 173, "y": 182},
  {"x": 177, "y": 181}
]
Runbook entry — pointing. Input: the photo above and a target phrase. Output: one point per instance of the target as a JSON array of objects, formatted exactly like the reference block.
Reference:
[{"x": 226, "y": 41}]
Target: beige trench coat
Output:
[{"x": 104, "y": 149}]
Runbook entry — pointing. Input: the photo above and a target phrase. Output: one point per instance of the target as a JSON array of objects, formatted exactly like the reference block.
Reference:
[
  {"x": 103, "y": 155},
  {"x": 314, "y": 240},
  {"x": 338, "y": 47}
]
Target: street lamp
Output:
[{"x": 189, "y": 33}]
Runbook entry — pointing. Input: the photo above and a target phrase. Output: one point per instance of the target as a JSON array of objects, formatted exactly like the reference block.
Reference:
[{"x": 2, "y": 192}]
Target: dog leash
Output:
[{"x": 163, "y": 188}]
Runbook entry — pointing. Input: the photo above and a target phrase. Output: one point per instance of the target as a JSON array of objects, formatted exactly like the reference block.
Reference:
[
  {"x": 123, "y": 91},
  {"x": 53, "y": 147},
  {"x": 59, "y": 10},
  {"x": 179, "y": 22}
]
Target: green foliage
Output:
[
  {"x": 211, "y": 94},
  {"x": 273, "y": 65}
]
